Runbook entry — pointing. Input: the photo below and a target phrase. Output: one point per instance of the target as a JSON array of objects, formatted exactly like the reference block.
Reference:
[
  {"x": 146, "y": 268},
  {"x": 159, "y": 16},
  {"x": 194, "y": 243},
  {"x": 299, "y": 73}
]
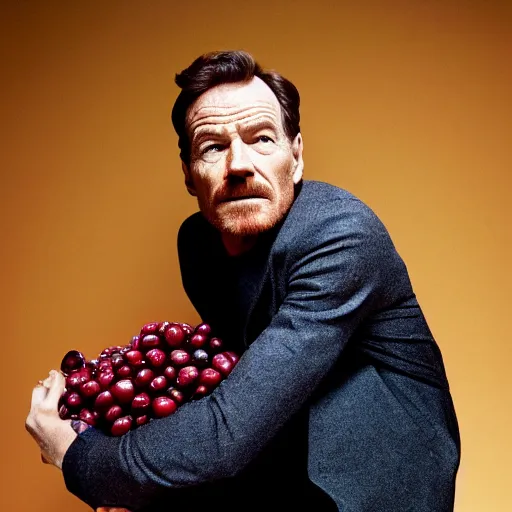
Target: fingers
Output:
[
  {"x": 57, "y": 385},
  {"x": 47, "y": 393},
  {"x": 38, "y": 395}
]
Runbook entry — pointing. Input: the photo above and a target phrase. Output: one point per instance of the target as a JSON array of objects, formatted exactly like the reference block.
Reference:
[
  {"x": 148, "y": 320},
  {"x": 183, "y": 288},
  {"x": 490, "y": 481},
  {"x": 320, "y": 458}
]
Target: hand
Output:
[{"x": 51, "y": 433}]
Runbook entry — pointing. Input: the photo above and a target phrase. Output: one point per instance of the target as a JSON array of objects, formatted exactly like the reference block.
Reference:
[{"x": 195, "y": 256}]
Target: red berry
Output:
[
  {"x": 187, "y": 376},
  {"x": 123, "y": 391},
  {"x": 89, "y": 389},
  {"x": 170, "y": 373},
  {"x": 210, "y": 377},
  {"x": 163, "y": 406},
  {"x": 141, "y": 420},
  {"x": 114, "y": 412},
  {"x": 150, "y": 328},
  {"x": 158, "y": 384},
  {"x": 134, "y": 357},
  {"x": 179, "y": 357},
  {"x": 156, "y": 357},
  {"x": 222, "y": 363},
  {"x": 150, "y": 341},
  {"x": 105, "y": 378},
  {"x": 144, "y": 377},
  {"x": 197, "y": 340},
  {"x": 187, "y": 328},
  {"x": 121, "y": 426},
  {"x": 216, "y": 344},
  {"x": 174, "y": 336},
  {"x": 176, "y": 395},
  {"x": 124, "y": 371},
  {"x": 200, "y": 392},
  {"x": 73, "y": 360},
  {"x": 140, "y": 404},
  {"x": 203, "y": 329},
  {"x": 74, "y": 400},
  {"x": 135, "y": 343},
  {"x": 89, "y": 417},
  {"x": 103, "y": 401},
  {"x": 232, "y": 355}
]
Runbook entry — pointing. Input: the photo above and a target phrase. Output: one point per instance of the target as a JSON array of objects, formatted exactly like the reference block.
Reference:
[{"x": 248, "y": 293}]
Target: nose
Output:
[{"x": 239, "y": 162}]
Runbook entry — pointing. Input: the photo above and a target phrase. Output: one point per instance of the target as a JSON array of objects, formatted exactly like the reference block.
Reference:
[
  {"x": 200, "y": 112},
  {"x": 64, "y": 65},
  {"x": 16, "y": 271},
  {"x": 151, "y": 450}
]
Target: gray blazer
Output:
[{"x": 339, "y": 402}]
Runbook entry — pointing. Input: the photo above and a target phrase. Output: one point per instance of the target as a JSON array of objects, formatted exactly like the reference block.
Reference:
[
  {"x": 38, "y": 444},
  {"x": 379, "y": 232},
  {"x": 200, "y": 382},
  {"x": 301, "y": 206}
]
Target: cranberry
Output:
[
  {"x": 203, "y": 329},
  {"x": 144, "y": 377},
  {"x": 176, "y": 395},
  {"x": 150, "y": 328},
  {"x": 150, "y": 341},
  {"x": 105, "y": 378},
  {"x": 158, "y": 383},
  {"x": 123, "y": 391},
  {"x": 232, "y": 355},
  {"x": 141, "y": 420},
  {"x": 103, "y": 401},
  {"x": 216, "y": 344},
  {"x": 114, "y": 412},
  {"x": 134, "y": 357},
  {"x": 135, "y": 342},
  {"x": 174, "y": 336},
  {"x": 140, "y": 404},
  {"x": 179, "y": 357},
  {"x": 200, "y": 392},
  {"x": 170, "y": 373},
  {"x": 124, "y": 371},
  {"x": 210, "y": 377},
  {"x": 74, "y": 400},
  {"x": 90, "y": 389},
  {"x": 163, "y": 406},
  {"x": 187, "y": 376},
  {"x": 156, "y": 357},
  {"x": 121, "y": 426},
  {"x": 198, "y": 340},
  {"x": 222, "y": 363},
  {"x": 73, "y": 360},
  {"x": 89, "y": 417}
]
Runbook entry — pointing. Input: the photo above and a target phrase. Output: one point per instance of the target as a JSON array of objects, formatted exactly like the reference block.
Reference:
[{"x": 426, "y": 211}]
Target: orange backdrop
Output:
[{"x": 404, "y": 103}]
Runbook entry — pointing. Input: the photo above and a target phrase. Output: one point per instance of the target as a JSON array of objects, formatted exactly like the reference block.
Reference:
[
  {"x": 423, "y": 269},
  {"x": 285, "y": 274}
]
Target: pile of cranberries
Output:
[{"x": 164, "y": 366}]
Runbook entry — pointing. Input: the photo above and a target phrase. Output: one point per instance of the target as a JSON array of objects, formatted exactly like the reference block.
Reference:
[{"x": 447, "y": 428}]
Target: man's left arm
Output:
[{"x": 335, "y": 282}]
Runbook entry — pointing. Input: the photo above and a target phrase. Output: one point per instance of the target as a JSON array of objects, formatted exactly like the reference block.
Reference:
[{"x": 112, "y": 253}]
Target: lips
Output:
[{"x": 240, "y": 198}]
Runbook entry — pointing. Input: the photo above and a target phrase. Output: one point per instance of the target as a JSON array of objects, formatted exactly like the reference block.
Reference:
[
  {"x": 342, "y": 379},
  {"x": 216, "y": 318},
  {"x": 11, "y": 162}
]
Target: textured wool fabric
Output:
[{"x": 340, "y": 399}]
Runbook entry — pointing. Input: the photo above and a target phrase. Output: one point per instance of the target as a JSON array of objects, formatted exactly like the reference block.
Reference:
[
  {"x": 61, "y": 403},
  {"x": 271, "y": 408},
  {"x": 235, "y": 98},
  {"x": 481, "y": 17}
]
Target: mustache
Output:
[{"x": 229, "y": 193}]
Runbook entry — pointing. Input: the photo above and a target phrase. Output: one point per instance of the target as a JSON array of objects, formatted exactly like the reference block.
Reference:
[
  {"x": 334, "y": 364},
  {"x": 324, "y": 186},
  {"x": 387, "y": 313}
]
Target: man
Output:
[{"x": 340, "y": 399}]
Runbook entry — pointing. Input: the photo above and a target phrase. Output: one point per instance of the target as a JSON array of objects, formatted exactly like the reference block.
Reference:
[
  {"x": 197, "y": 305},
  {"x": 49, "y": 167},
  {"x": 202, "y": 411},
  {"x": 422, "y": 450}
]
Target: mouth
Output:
[{"x": 242, "y": 198}]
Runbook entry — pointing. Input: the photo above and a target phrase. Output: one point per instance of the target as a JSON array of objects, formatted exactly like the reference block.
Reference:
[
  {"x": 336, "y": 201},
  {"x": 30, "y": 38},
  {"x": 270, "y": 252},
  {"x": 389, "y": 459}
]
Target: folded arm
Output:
[{"x": 332, "y": 285}]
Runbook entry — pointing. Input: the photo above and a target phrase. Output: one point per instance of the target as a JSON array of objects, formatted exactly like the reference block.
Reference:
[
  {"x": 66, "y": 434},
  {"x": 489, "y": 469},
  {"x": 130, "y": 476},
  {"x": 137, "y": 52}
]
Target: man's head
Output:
[{"x": 240, "y": 141}]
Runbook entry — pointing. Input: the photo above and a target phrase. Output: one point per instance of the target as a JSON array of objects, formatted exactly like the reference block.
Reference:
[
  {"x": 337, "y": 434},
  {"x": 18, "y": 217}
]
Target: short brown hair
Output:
[{"x": 222, "y": 67}]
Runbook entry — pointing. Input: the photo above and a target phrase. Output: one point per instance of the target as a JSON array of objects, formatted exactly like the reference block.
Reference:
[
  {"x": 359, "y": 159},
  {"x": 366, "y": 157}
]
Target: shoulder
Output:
[{"x": 322, "y": 210}]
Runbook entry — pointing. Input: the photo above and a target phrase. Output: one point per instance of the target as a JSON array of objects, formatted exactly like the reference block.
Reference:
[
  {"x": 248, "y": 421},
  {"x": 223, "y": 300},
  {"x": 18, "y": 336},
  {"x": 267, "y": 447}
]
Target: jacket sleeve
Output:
[{"x": 337, "y": 274}]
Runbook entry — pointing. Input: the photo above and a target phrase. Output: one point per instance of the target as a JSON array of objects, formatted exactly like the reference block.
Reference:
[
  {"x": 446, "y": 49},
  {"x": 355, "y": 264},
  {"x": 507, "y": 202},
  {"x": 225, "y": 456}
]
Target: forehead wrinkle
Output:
[{"x": 208, "y": 123}]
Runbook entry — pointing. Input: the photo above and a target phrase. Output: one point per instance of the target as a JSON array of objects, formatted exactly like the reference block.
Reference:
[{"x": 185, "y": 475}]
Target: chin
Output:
[{"x": 246, "y": 225}]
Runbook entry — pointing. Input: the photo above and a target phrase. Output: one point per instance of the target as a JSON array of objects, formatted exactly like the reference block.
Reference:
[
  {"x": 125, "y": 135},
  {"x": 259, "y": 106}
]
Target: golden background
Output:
[{"x": 407, "y": 104}]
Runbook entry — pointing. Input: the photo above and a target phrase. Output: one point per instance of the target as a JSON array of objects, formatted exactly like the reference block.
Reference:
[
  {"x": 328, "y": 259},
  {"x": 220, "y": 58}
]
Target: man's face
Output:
[{"x": 243, "y": 167}]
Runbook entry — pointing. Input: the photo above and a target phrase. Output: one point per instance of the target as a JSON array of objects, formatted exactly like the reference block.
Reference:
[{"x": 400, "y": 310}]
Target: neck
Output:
[{"x": 236, "y": 245}]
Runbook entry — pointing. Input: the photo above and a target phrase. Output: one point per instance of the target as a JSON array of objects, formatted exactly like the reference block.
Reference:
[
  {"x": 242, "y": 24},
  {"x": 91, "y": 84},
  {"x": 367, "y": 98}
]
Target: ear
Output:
[
  {"x": 297, "y": 148},
  {"x": 189, "y": 183}
]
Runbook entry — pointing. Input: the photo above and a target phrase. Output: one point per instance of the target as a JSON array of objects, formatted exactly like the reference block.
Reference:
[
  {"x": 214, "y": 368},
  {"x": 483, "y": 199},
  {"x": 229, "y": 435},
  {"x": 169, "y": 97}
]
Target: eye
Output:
[
  {"x": 264, "y": 138},
  {"x": 213, "y": 148}
]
